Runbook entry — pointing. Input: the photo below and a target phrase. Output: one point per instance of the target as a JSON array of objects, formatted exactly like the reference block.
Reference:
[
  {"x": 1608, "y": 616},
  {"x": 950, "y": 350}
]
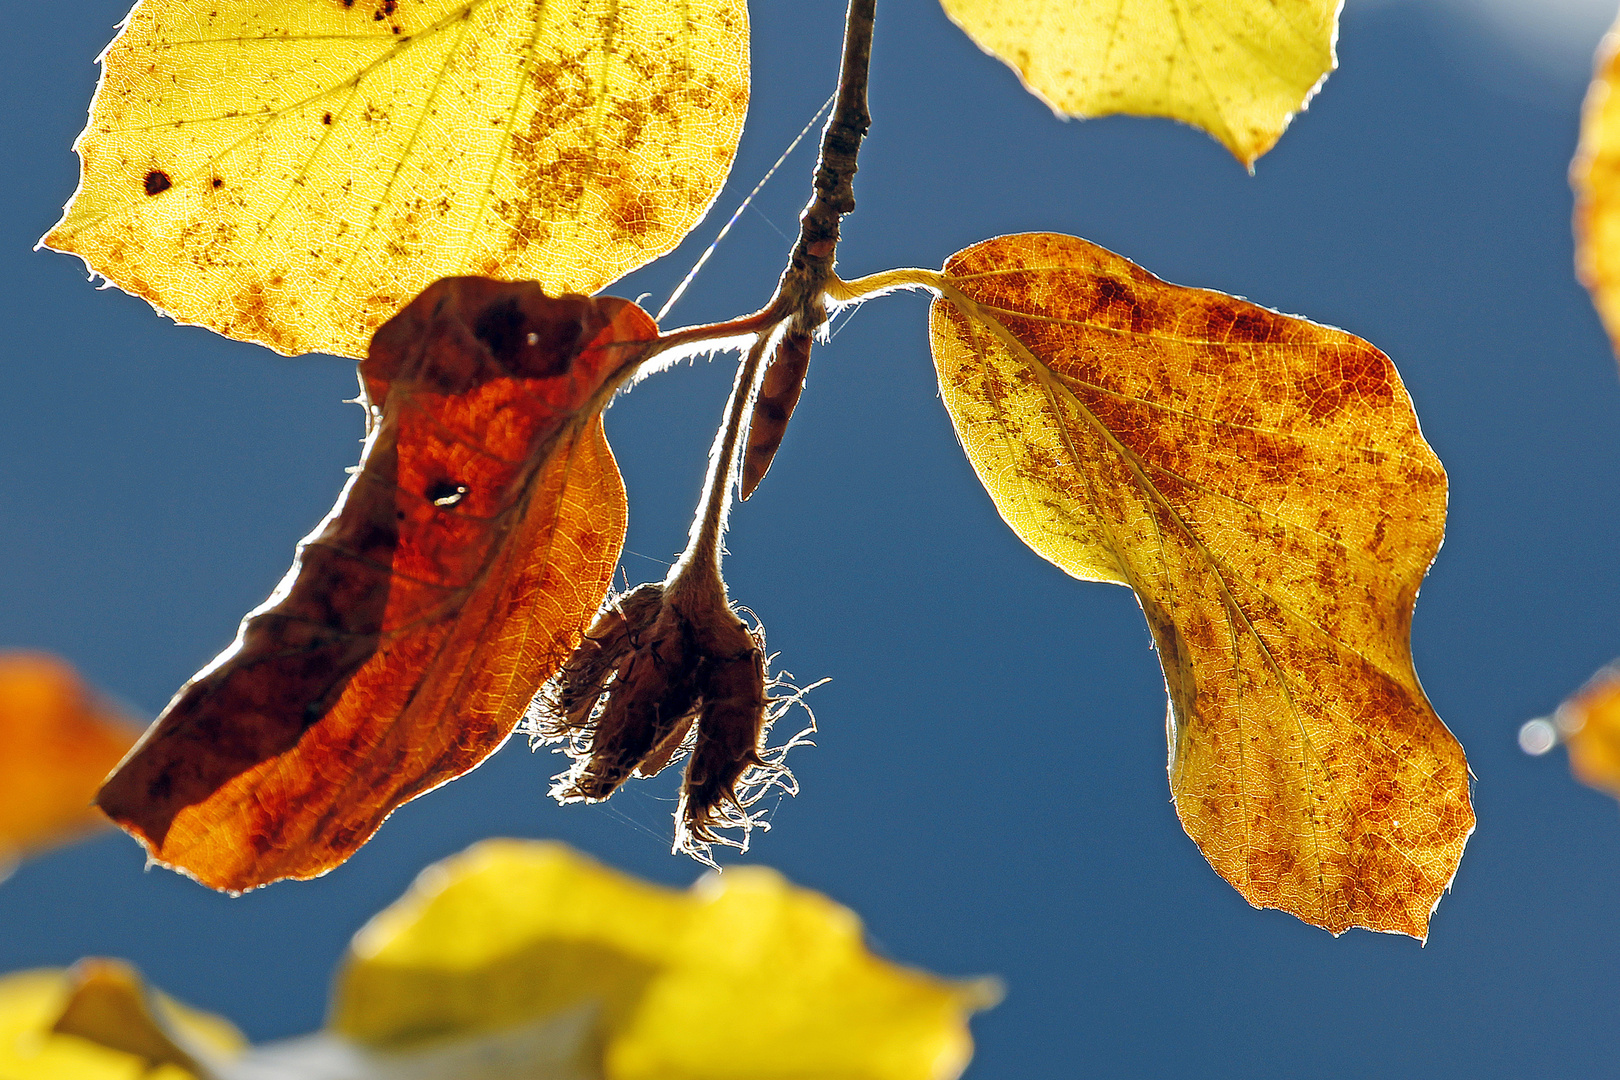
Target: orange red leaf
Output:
[{"x": 454, "y": 576}]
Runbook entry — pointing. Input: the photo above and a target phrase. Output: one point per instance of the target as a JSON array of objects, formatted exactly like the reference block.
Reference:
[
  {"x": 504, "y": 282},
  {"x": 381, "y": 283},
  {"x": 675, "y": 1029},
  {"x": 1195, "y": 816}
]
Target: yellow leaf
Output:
[
  {"x": 505, "y": 933},
  {"x": 1595, "y": 176},
  {"x": 292, "y": 171},
  {"x": 1261, "y": 483},
  {"x": 98, "y": 1022},
  {"x": 58, "y": 741},
  {"x": 1238, "y": 69},
  {"x": 774, "y": 981},
  {"x": 744, "y": 976}
]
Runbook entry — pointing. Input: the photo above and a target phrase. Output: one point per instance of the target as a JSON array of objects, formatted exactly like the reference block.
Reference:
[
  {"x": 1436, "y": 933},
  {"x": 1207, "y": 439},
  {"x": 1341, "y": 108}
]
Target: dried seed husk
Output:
[
  {"x": 654, "y": 692},
  {"x": 728, "y": 743},
  {"x": 665, "y": 672},
  {"x": 578, "y": 687}
]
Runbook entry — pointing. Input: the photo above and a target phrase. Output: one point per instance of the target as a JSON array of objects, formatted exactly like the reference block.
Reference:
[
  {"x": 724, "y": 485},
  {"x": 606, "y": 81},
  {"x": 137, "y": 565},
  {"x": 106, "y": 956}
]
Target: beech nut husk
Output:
[{"x": 656, "y": 680}]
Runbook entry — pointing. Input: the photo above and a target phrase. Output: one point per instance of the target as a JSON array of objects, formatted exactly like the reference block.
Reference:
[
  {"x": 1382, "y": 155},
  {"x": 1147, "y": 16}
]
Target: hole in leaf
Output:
[{"x": 445, "y": 493}]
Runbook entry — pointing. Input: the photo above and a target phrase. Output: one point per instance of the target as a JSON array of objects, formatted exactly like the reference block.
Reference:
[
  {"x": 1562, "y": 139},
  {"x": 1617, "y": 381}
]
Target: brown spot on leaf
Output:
[{"x": 157, "y": 181}]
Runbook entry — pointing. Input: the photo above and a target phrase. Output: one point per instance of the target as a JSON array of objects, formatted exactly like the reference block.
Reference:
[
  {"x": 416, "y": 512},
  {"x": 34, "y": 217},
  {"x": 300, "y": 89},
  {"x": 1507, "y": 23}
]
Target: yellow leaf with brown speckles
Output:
[
  {"x": 292, "y": 171},
  {"x": 1239, "y": 70},
  {"x": 1261, "y": 483}
]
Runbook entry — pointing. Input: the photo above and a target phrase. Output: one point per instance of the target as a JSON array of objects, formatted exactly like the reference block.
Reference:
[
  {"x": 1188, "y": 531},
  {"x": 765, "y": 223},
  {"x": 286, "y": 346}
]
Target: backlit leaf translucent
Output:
[
  {"x": 1261, "y": 483},
  {"x": 744, "y": 976},
  {"x": 1239, "y": 69},
  {"x": 292, "y": 171}
]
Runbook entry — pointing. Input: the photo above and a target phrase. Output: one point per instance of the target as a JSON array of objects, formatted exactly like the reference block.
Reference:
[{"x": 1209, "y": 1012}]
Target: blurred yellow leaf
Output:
[
  {"x": 98, "y": 1022},
  {"x": 1261, "y": 483},
  {"x": 499, "y": 935},
  {"x": 1238, "y": 69},
  {"x": 744, "y": 976},
  {"x": 524, "y": 959},
  {"x": 58, "y": 741},
  {"x": 292, "y": 171},
  {"x": 1595, "y": 176}
]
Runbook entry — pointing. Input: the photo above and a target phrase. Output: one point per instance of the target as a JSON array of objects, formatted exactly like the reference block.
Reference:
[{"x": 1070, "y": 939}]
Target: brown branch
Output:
[
  {"x": 810, "y": 267},
  {"x": 798, "y": 299}
]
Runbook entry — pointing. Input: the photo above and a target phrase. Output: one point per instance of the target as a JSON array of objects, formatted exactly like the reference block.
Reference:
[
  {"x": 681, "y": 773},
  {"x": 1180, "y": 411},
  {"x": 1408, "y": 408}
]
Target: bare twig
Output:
[
  {"x": 799, "y": 297},
  {"x": 698, "y": 568},
  {"x": 809, "y": 272},
  {"x": 811, "y": 264},
  {"x": 681, "y": 672}
]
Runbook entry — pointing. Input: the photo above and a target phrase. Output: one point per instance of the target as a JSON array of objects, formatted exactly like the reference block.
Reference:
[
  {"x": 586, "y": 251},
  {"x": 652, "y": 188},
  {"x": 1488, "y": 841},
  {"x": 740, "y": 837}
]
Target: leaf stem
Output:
[
  {"x": 697, "y": 571},
  {"x": 884, "y": 281}
]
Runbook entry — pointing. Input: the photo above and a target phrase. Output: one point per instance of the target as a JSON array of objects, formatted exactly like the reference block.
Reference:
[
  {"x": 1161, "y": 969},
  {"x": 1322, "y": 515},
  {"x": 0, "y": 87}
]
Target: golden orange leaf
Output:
[
  {"x": 1261, "y": 483},
  {"x": 455, "y": 575},
  {"x": 1588, "y": 723},
  {"x": 58, "y": 741},
  {"x": 1239, "y": 69},
  {"x": 1595, "y": 176},
  {"x": 292, "y": 171}
]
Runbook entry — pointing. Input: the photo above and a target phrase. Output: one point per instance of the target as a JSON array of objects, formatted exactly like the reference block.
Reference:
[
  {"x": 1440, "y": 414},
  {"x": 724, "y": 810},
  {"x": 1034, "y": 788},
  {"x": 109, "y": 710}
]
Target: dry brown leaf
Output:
[
  {"x": 292, "y": 171},
  {"x": 1239, "y": 69},
  {"x": 58, "y": 741},
  {"x": 466, "y": 555},
  {"x": 1595, "y": 176},
  {"x": 1261, "y": 483}
]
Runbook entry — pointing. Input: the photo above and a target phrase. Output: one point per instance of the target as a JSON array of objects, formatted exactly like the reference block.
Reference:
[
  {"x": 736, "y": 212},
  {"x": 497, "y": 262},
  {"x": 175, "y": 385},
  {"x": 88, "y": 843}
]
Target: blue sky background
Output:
[{"x": 989, "y": 788}]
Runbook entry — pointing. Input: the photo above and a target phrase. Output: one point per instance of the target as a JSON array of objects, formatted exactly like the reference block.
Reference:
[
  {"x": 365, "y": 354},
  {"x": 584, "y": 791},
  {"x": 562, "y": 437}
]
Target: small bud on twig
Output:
[{"x": 778, "y": 393}]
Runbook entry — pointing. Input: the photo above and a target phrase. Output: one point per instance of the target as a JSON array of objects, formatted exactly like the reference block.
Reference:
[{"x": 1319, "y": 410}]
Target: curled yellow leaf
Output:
[
  {"x": 744, "y": 976},
  {"x": 1261, "y": 483},
  {"x": 292, "y": 171},
  {"x": 1239, "y": 70}
]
